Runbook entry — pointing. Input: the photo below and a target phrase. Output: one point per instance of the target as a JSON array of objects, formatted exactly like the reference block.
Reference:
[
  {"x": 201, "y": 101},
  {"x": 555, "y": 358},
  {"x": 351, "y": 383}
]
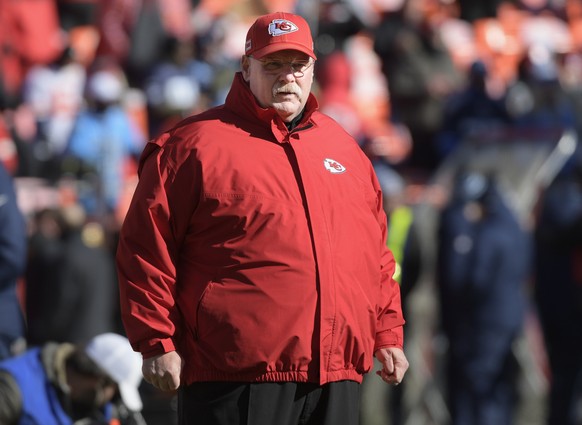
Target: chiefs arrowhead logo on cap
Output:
[
  {"x": 279, "y": 31},
  {"x": 281, "y": 27}
]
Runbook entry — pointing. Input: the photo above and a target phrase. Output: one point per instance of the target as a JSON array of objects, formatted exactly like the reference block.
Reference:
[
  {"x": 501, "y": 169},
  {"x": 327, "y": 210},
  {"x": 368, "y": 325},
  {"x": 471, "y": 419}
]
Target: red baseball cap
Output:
[{"x": 279, "y": 31}]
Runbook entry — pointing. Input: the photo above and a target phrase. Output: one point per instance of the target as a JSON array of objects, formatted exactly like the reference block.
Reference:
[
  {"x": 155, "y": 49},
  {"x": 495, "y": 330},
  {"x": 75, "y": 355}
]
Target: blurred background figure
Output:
[
  {"x": 471, "y": 109},
  {"x": 133, "y": 32},
  {"x": 420, "y": 74},
  {"x": 537, "y": 98},
  {"x": 177, "y": 86},
  {"x": 76, "y": 13},
  {"x": 483, "y": 262},
  {"x": 472, "y": 10},
  {"x": 103, "y": 143},
  {"x": 30, "y": 35},
  {"x": 558, "y": 292},
  {"x": 334, "y": 75},
  {"x": 403, "y": 243},
  {"x": 13, "y": 248},
  {"x": 94, "y": 383},
  {"x": 54, "y": 93},
  {"x": 70, "y": 279},
  {"x": 337, "y": 22}
]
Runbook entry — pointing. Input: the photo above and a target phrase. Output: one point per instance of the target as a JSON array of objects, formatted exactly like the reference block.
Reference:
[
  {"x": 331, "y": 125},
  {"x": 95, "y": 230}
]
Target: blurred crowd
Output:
[{"x": 85, "y": 83}]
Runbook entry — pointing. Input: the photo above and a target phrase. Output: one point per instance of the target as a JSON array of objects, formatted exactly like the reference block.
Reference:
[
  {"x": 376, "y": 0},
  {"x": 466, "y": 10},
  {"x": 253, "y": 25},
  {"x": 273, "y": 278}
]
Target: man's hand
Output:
[
  {"x": 163, "y": 371},
  {"x": 394, "y": 364}
]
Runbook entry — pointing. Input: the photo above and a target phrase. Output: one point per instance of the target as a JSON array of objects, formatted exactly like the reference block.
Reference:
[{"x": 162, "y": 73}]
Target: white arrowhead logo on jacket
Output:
[{"x": 333, "y": 166}]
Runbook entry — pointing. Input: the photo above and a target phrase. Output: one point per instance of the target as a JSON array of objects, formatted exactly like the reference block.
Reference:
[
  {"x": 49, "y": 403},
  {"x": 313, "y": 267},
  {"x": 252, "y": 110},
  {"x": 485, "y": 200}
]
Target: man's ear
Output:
[{"x": 245, "y": 64}]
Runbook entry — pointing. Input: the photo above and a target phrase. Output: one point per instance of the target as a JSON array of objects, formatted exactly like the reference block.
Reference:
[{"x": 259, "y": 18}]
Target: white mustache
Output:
[{"x": 288, "y": 88}]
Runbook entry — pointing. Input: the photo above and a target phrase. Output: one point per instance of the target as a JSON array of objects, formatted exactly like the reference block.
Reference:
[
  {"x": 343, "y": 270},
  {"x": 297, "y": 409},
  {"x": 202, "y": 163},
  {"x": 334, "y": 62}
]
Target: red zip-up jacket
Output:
[{"x": 258, "y": 253}]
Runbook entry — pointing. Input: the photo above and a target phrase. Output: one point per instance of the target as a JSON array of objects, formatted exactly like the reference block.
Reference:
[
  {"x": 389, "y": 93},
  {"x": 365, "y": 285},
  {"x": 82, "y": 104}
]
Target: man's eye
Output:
[
  {"x": 273, "y": 66},
  {"x": 299, "y": 66},
  {"x": 277, "y": 66}
]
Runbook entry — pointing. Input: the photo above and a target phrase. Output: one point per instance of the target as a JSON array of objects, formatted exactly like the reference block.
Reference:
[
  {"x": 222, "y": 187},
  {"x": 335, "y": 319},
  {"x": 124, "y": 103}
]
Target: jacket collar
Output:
[
  {"x": 54, "y": 357},
  {"x": 241, "y": 101}
]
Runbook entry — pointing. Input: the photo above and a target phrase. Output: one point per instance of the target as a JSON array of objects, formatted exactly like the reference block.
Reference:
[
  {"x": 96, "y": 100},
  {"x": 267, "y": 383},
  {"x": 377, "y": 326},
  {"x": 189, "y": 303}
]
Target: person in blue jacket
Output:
[
  {"x": 104, "y": 140},
  {"x": 482, "y": 264},
  {"x": 13, "y": 249},
  {"x": 65, "y": 384}
]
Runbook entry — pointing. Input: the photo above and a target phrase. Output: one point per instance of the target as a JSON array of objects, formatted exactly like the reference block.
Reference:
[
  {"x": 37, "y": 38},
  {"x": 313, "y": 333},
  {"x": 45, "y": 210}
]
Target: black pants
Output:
[{"x": 289, "y": 403}]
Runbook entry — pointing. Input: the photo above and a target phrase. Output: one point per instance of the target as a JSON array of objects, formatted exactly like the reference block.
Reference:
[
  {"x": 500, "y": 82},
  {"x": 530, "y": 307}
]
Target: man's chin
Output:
[{"x": 286, "y": 109}]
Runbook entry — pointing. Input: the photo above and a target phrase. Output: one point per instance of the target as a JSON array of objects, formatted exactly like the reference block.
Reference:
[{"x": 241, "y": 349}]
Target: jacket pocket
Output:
[{"x": 197, "y": 331}]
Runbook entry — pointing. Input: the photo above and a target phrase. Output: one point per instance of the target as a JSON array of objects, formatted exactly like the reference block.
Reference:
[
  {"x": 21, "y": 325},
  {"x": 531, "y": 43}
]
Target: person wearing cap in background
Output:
[
  {"x": 483, "y": 262},
  {"x": 93, "y": 383},
  {"x": 103, "y": 142},
  {"x": 253, "y": 267}
]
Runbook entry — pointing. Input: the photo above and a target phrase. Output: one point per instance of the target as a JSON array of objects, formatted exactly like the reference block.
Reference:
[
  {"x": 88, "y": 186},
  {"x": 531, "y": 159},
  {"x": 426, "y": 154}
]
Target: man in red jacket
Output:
[{"x": 253, "y": 268}]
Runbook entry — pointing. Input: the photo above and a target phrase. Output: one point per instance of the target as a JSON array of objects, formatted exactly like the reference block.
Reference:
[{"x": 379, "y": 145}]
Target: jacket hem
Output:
[{"x": 275, "y": 376}]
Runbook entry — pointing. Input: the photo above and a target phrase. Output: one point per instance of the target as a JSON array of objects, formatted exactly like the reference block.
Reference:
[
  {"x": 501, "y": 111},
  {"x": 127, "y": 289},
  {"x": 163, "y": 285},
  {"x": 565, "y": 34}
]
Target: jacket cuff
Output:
[
  {"x": 155, "y": 347},
  {"x": 390, "y": 338}
]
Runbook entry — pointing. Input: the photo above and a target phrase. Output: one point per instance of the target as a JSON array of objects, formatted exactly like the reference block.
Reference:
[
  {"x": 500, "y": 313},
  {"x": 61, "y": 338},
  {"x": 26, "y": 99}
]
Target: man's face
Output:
[
  {"x": 91, "y": 392},
  {"x": 281, "y": 80}
]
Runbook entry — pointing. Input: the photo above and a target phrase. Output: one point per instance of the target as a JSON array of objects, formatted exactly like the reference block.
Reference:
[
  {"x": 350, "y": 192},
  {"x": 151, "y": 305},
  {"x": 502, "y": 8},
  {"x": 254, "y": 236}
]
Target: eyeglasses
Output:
[{"x": 274, "y": 66}]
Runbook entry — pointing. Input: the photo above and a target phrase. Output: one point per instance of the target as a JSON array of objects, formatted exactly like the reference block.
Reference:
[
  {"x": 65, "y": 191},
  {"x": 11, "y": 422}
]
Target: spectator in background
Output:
[
  {"x": 541, "y": 7},
  {"x": 473, "y": 109},
  {"x": 54, "y": 92},
  {"x": 75, "y": 13},
  {"x": 12, "y": 263},
  {"x": 30, "y": 34},
  {"x": 472, "y": 10},
  {"x": 9, "y": 155},
  {"x": 537, "y": 100},
  {"x": 42, "y": 277},
  {"x": 103, "y": 142},
  {"x": 133, "y": 32},
  {"x": 558, "y": 291},
  {"x": 70, "y": 278},
  {"x": 483, "y": 261},
  {"x": 91, "y": 383},
  {"x": 179, "y": 85},
  {"x": 18, "y": 131},
  {"x": 338, "y": 20},
  {"x": 420, "y": 75},
  {"x": 117, "y": 22},
  {"x": 403, "y": 243},
  {"x": 334, "y": 76}
]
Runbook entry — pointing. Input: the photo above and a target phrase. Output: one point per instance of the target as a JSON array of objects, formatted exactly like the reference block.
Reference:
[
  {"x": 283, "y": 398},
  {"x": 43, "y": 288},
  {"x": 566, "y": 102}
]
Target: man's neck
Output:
[{"x": 293, "y": 123}]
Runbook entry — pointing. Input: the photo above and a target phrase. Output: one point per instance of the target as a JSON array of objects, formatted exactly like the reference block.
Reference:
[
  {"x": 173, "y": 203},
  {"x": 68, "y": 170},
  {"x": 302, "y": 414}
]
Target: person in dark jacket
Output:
[
  {"x": 558, "y": 291},
  {"x": 13, "y": 248},
  {"x": 420, "y": 74},
  {"x": 482, "y": 265},
  {"x": 70, "y": 278},
  {"x": 61, "y": 384},
  {"x": 470, "y": 110},
  {"x": 253, "y": 266}
]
